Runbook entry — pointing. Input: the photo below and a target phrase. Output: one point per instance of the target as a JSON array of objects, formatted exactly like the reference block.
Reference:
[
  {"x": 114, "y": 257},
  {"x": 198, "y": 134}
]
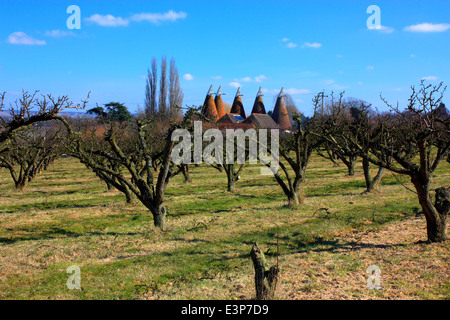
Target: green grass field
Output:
[{"x": 67, "y": 217}]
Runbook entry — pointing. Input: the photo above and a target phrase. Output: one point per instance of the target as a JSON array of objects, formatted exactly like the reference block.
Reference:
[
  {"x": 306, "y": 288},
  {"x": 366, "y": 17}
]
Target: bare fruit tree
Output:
[
  {"x": 29, "y": 153},
  {"x": 412, "y": 142},
  {"x": 126, "y": 158},
  {"x": 296, "y": 148},
  {"x": 30, "y": 109},
  {"x": 345, "y": 129}
]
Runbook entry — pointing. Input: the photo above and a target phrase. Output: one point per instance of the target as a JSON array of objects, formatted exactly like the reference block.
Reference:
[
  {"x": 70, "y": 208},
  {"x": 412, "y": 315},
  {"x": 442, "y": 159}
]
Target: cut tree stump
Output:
[{"x": 265, "y": 278}]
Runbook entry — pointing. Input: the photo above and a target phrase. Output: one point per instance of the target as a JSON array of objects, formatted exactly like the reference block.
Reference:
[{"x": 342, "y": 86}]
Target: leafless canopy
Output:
[{"x": 30, "y": 109}]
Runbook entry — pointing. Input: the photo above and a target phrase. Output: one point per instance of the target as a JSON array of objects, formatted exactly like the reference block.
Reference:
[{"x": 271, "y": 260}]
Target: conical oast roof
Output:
[
  {"x": 219, "y": 104},
  {"x": 258, "y": 106},
  {"x": 238, "y": 106},
  {"x": 280, "y": 113},
  {"x": 209, "y": 106}
]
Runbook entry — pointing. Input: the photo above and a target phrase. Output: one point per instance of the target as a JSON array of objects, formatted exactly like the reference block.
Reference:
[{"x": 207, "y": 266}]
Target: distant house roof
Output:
[
  {"x": 228, "y": 118},
  {"x": 241, "y": 125},
  {"x": 238, "y": 117},
  {"x": 261, "y": 121}
]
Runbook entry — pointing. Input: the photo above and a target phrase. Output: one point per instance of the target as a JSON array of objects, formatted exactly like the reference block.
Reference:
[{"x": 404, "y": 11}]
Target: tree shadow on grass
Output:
[
  {"x": 48, "y": 205},
  {"x": 319, "y": 245},
  {"x": 59, "y": 233}
]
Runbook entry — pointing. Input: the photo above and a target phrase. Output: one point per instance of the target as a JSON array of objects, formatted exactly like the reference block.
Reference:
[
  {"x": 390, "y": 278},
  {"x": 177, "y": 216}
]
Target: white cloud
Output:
[
  {"x": 370, "y": 68},
  {"x": 291, "y": 45},
  {"x": 359, "y": 83},
  {"x": 188, "y": 77},
  {"x": 430, "y": 78},
  {"x": 297, "y": 91},
  {"x": 335, "y": 86},
  {"x": 22, "y": 38},
  {"x": 157, "y": 18},
  {"x": 412, "y": 55},
  {"x": 312, "y": 45},
  {"x": 58, "y": 33},
  {"x": 245, "y": 79},
  {"x": 383, "y": 29},
  {"x": 216, "y": 77},
  {"x": 428, "y": 27},
  {"x": 260, "y": 78},
  {"x": 108, "y": 20},
  {"x": 234, "y": 84}
]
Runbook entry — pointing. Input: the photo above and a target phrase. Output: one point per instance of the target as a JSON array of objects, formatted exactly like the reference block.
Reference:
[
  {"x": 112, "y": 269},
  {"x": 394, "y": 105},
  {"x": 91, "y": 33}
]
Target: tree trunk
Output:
[
  {"x": 377, "y": 180},
  {"x": 442, "y": 205},
  {"x": 20, "y": 185},
  {"x": 293, "y": 200},
  {"x": 230, "y": 185},
  {"x": 159, "y": 216},
  {"x": 21, "y": 182},
  {"x": 333, "y": 158},
  {"x": 128, "y": 195},
  {"x": 436, "y": 221},
  {"x": 371, "y": 185},
  {"x": 231, "y": 177},
  {"x": 108, "y": 185},
  {"x": 351, "y": 166},
  {"x": 265, "y": 278},
  {"x": 185, "y": 171}
]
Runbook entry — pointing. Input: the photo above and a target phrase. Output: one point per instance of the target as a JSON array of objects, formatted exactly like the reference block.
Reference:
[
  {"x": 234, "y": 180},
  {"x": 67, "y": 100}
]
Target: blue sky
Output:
[{"x": 303, "y": 46}]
